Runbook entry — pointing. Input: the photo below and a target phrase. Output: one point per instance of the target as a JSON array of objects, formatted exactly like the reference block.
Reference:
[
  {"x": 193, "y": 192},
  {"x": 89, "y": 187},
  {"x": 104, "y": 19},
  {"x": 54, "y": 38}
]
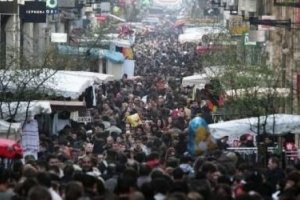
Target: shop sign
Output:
[
  {"x": 52, "y": 6},
  {"x": 8, "y": 6},
  {"x": 33, "y": 12},
  {"x": 59, "y": 37},
  {"x": 86, "y": 119}
]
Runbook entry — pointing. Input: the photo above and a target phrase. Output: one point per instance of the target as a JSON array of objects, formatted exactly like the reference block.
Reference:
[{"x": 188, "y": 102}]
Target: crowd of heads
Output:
[
  {"x": 161, "y": 53},
  {"x": 136, "y": 147}
]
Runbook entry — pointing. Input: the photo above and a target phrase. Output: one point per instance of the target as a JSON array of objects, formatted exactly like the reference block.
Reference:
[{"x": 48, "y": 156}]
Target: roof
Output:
[
  {"x": 95, "y": 53},
  {"x": 54, "y": 83},
  {"x": 67, "y": 103}
]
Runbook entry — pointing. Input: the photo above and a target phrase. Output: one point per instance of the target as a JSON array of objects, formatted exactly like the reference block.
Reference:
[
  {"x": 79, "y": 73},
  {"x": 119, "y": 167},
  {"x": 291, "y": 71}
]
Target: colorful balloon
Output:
[
  {"x": 199, "y": 138},
  {"x": 134, "y": 120}
]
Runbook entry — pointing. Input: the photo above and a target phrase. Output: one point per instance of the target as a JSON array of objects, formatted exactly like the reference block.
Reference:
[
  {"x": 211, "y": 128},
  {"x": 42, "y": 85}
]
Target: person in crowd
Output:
[
  {"x": 73, "y": 191},
  {"x": 39, "y": 193},
  {"x": 45, "y": 180},
  {"x": 135, "y": 147},
  {"x": 223, "y": 143},
  {"x": 275, "y": 173},
  {"x": 5, "y": 192}
]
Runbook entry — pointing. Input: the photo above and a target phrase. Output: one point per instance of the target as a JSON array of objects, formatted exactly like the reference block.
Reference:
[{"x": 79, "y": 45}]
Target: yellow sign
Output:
[{"x": 237, "y": 26}]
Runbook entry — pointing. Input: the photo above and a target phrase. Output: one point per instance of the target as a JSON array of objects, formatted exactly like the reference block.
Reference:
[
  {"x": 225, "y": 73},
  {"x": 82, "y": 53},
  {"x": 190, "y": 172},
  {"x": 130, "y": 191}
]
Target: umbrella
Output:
[{"x": 10, "y": 149}]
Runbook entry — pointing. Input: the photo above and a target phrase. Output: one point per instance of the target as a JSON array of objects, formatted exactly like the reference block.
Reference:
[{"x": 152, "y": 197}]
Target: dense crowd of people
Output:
[
  {"x": 136, "y": 146},
  {"x": 161, "y": 53}
]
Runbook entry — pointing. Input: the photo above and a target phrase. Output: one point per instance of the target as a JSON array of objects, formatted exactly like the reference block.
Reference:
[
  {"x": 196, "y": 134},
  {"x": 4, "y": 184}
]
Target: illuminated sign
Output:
[
  {"x": 52, "y": 6},
  {"x": 33, "y": 11}
]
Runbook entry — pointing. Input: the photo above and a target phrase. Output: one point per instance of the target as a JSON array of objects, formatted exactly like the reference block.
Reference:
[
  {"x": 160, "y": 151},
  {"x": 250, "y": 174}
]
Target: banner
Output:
[
  {"x": 33, "y": 12},
  {"x": 128, "y": 67}
]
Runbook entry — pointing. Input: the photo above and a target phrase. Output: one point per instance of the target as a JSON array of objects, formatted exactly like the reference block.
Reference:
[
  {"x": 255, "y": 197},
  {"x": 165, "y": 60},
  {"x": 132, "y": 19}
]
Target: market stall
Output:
[
  {"x": 20, "y": 110},
  {"x": 11, "y": 130},
  {"x": 281, "y": 136},
  {"x": 71, "y": 84},
  {"x": 198, "y": 80},
  {"x": 277, "y": 124}
]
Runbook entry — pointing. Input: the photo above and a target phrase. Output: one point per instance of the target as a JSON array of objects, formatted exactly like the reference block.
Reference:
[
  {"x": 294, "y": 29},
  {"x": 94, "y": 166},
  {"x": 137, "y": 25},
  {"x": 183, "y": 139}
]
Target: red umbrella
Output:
[{"x": 10, "y": 149}]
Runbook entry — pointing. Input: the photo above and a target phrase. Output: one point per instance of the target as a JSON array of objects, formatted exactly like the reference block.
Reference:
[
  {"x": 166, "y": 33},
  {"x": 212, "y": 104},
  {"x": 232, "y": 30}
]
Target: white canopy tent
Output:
[
  {"x": 59, "y": 83},
  {"x": 197, "y": 34},
  {"x": 21, "y": 109},
  {"x": 98, "y": 77},
  {"x": 274, "y": 124},
  {"x": 6, "y": 127},
  {"x": 276, "y": 92},
  {"x": 73, "y": 83},
  {"x": 68, "y": 85},
  {"x": 198, "y": 80}
]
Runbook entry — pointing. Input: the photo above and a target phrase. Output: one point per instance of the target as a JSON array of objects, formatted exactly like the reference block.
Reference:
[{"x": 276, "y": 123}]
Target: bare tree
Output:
[{"x": 24, "y": 80}]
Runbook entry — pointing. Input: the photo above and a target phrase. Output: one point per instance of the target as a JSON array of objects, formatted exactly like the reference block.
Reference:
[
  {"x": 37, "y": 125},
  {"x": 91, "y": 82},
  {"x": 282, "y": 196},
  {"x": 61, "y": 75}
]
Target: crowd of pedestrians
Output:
[{"x": 136, "y": 146}]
